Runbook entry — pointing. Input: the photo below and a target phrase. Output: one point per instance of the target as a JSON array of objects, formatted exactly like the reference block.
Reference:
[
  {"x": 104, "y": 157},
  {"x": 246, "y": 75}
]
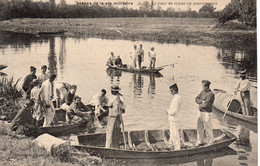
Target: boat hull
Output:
[
  {"x": 85, "y": 144},
  {"x": 133, "y": 70}
]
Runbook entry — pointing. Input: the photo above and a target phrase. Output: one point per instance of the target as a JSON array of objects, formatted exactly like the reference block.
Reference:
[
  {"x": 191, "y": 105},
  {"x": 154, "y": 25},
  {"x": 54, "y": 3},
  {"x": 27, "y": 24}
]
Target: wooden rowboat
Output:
[
  {"x": 221, "y": 102},
  {"x": 61, "y": 129},
  {"x": 2, "y": 67},
  {"x": 149, "y": 144},
  {"x": 135, "y": 70},
  {"x": 52, "y": 32}
]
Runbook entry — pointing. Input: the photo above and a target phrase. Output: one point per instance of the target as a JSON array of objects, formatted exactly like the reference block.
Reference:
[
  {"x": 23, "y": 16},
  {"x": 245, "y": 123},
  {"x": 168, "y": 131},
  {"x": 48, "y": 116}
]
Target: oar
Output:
[
  {"x": 228, "y": 106},
  {"x": 168, "y": 65},
  {"x": 123, "y": 128}
]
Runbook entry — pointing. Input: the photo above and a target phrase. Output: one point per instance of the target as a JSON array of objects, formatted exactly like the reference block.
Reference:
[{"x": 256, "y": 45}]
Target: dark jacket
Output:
[
  {"x": 68, "y": 98},
  {"x": 205, "y": 100},
  {"x": 27, "y": 82}
]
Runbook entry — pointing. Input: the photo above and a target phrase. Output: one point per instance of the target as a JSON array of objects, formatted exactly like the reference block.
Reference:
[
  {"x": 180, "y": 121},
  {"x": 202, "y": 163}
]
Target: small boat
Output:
[
  {"x": 52, "y": 32},
  {"x": 135, "y": 70},
  {"x": 149, "y": 144},
  {"x": 222, "y": 100},
  {"x": 61, "y": 129},
  {"x": 2, "y": 67}
]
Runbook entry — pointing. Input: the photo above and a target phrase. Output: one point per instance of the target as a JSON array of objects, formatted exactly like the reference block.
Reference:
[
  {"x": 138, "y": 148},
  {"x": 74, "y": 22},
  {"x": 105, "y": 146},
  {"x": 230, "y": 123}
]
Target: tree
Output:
[
  {"x": 207, "y": 10},
  {"x": 145, "y": 6}
]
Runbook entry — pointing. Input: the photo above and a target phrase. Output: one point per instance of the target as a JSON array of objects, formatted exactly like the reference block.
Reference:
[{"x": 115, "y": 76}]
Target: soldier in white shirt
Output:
[
  {"x": 173, "y": 117},
  {"x": 152, "y": 57},
  {"x": 44, "y": 76},
  {"x": 243, "y": 87}
]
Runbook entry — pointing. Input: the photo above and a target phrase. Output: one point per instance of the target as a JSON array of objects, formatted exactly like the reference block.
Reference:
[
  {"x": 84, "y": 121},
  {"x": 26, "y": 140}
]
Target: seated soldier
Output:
[
  {"x": 68, "y": 98},
  {"x": 99, "y": 103},
  {"x": 118, "y": 61},
  {"x": 23, "y": 123},
  {"x": 77, "y": 108}
]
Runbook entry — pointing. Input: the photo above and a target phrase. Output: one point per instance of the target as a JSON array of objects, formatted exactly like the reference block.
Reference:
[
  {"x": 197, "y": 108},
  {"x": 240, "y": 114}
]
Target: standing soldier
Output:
[
  {"x": 140, "y": 56},
  {"x": 152, "y": 57},
  {"x": 205, "y": 100},
  {"x": 173, "y": 117},
  {"x": 46, "y": 96},
  {"x": 116, "y": 108},
  {"x": 28, "y": 80},
  {"x": 243, "y": 87}
]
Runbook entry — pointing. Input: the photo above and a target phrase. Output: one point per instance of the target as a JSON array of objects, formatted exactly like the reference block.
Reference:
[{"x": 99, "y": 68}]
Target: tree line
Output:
[
  {"x": 29, "y": 9},
  {"x": 244, "y": 11}
]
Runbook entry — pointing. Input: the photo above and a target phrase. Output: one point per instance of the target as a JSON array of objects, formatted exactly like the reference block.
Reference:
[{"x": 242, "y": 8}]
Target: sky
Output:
[{"x": 164, "y": 4}]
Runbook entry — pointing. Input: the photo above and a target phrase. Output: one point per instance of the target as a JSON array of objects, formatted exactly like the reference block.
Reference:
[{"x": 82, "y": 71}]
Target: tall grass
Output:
[{"x": 9, "y": 90}]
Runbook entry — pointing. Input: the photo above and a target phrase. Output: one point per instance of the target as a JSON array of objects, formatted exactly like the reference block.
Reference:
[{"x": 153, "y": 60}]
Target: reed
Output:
[{"x": 9, "y": 90}]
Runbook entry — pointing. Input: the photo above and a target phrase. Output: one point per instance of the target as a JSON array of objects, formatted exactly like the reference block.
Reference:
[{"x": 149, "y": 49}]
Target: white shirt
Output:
[
  {"x": 43, "y": 77},
  {"x": 152, "y": 54},
  {"x": 174, "y": 108},
  {"x": 243, "y": 85},
  {"x": 116, "y": 104},
  {"x": 98, "y": 100},
  {"x": 46, "y": 91}
]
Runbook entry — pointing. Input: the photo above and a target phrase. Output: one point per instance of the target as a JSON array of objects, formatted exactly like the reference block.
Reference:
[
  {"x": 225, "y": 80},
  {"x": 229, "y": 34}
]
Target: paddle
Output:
[
  {"x": 167, "y": 65},
  {"x": 123, "y": 128},
  {"x": 228, "y": 106}
]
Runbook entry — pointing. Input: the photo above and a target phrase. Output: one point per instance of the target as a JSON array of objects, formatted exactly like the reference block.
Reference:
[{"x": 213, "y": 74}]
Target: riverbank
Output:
[{"x": 198, "y": 31}]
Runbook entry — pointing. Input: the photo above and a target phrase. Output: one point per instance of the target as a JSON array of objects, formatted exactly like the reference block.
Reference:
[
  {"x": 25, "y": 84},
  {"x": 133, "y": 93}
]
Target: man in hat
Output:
[
  {"x": 140, "y": 56},
  {"x": 28, "y": 80},
  {"x": 44, "y": 76},
  {"x": 173, "y": 117},
  {"x": 152, "y": 57},
  {"x": 77, "y": 108},
  {"x": 46, "y": 96},
  {"x": 111, "y": 60},
  {"x": 38, "y": 106},
  {"x": 205, "y": 100},
  {"x": 116, "y": 108},
  {"x": 23, "y": 121},
  {"x": 243, "y": 87}
]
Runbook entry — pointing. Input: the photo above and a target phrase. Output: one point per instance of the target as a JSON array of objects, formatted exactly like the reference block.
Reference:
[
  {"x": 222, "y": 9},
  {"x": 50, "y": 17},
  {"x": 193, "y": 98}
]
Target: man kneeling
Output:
[{"x": 77, "y": 108}]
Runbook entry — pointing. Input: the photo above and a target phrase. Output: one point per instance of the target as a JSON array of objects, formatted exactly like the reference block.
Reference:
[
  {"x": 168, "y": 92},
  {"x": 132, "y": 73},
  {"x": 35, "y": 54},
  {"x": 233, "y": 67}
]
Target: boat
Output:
[
  {"x": 144, "y": 70},
  {"x": 61, "y": 129},
  {"x": 52, "y": 32},
  {"x": 2, "y": 67},
  {"x": 222, "y": 100},
  {"x": 200, "y": 157},
  {"x": 149, "y": 144}
]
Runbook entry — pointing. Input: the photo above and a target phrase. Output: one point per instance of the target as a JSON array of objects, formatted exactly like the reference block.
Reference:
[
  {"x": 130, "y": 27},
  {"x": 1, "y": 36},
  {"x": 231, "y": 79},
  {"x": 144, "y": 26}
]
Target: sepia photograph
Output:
[{"x": 128, "y": 82}]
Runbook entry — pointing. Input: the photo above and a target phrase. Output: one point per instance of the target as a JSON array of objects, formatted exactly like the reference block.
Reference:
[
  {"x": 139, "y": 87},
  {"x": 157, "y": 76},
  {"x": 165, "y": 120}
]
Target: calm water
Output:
[{"x": 82, "y": 62}]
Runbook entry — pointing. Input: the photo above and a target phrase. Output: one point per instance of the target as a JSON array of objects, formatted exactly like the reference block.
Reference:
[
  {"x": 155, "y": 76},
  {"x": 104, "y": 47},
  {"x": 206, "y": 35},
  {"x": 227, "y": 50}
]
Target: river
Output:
[{"x": 82, "y": 62}]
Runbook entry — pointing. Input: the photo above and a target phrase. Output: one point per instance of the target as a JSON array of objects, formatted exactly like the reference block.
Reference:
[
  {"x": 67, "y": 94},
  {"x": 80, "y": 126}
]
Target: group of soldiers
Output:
[
  {"x": 40, "y": 107},
  {"x": 137, "y": 55},
  {"x": 205, "y": 101}
]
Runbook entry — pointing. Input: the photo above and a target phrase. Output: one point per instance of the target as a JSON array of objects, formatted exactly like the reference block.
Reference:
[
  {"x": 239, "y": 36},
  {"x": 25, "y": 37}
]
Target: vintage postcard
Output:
[{"x": 128, "y": 82}]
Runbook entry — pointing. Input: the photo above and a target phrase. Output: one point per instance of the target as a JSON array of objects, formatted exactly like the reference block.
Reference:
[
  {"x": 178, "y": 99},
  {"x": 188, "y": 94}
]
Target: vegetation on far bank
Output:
[{"x": 199, "y": 31}]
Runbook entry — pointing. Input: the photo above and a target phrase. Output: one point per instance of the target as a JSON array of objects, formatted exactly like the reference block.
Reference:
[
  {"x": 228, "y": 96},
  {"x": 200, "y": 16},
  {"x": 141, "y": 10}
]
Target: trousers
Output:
[
  {"x": 174, "y": 134},
  {"x": 113, "y": 132},
  {"x": 204, "y": 128}
]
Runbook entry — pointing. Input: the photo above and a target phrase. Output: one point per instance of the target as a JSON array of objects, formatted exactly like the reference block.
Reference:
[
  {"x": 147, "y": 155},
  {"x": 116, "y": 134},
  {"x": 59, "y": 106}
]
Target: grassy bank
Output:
[{"x": 165, "y": 30}]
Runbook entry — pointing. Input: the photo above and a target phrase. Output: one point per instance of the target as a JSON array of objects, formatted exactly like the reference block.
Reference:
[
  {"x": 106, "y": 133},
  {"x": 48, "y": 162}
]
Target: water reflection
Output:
[
  {"x": 138, "y": 81},
  {"x": 52, "y": 58},
  {"x": 62, "y": 55},
  {"x": 114, "y": 75},
  {"x": 151, "y": 86},
  {"x": 237, "y": 60}
]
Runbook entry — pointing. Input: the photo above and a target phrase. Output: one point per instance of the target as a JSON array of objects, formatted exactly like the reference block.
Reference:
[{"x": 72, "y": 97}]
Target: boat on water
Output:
[
  {"x": 149, "y": 144},
  {"x": 144, "y": 70},
  {"x": 52, "y": 32},
  {"x": 222, "y": 100},
  {"x": 2, "y": 67}
]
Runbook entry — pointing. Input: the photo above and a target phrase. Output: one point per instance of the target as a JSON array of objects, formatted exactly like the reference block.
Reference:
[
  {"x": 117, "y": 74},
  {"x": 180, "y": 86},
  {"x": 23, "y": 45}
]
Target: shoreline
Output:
[{"x": 188, "y": 31}]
